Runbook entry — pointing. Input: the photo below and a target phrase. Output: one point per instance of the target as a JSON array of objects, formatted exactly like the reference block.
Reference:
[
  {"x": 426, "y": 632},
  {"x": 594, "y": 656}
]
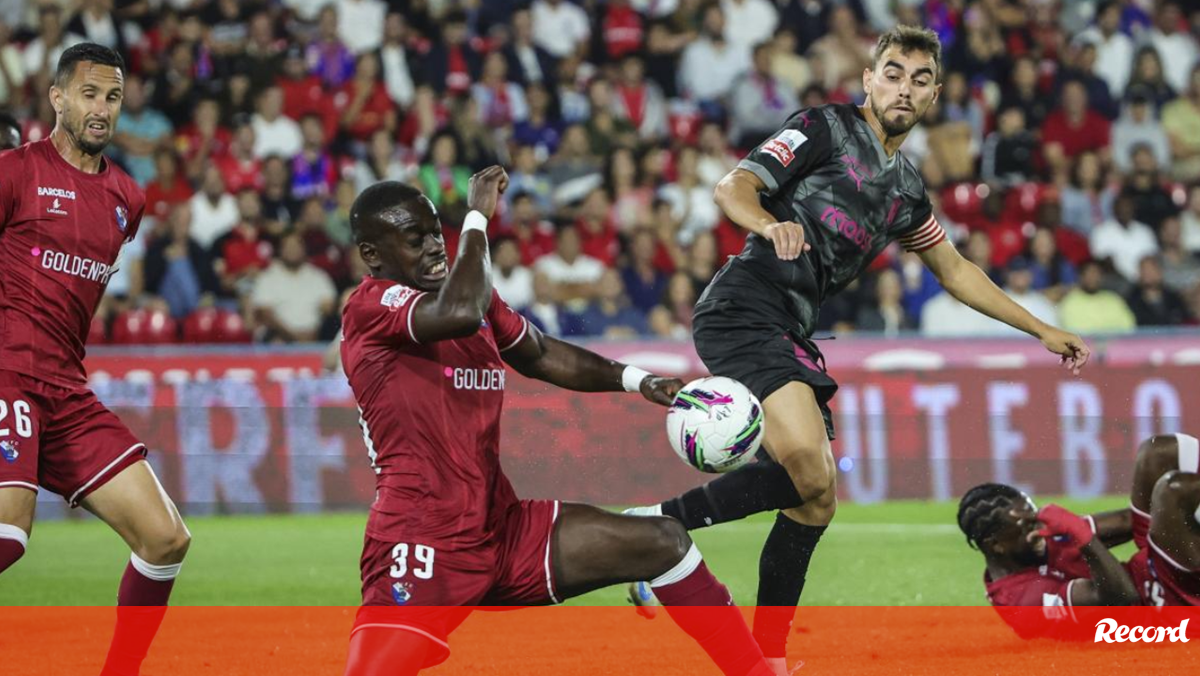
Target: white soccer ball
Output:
[{"x": 715, "y": 424}]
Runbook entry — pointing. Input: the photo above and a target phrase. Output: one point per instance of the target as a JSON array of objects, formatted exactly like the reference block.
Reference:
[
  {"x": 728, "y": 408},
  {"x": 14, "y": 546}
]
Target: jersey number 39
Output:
[{"x": 424, "y": 560}]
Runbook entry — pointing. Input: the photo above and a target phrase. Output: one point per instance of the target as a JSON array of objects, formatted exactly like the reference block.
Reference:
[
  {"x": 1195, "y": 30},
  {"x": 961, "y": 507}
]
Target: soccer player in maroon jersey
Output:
[
  {"x": 1048, "y": 557},
  {"x": 65, "y": 213},
  {"x": 1165, "y": 502},
  {"x": 424, "y": 348}
]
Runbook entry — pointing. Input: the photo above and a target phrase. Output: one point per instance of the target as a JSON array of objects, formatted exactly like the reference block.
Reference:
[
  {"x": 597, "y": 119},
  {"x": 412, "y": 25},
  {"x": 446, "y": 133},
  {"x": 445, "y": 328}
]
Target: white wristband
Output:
[
  {"x": 632, "y": 377},
  {"x": 475, "y": 221}
]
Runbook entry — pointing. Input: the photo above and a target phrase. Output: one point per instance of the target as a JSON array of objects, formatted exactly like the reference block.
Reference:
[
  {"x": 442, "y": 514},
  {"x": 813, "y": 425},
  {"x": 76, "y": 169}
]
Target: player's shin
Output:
[
  {"x": 13, "y": 542},
  {"x": 781, "y": 573},
  {"x": 761, "y": 486},
  {"x": 141, "y": 606},
  {"x": 704, "y": 609}
]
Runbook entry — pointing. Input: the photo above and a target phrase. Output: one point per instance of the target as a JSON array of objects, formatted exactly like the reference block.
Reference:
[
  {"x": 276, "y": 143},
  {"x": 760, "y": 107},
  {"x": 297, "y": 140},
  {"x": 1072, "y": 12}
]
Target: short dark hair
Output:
[
  {"x": 85, "y": 51},
  {"x": 375, "y": 200},
  {"x": 907, "y": 39},
  {"x": 981, "y": 510}
]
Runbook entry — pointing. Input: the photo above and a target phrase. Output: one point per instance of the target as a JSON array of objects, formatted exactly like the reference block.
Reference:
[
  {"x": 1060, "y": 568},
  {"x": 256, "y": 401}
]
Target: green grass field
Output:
[{"x": 897, "y": 553}]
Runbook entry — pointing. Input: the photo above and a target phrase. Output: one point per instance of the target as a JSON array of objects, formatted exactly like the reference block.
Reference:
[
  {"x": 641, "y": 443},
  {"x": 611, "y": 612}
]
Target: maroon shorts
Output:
[
  {"x": 412, "y": 586},
  {"x": 61, "y": 439}
]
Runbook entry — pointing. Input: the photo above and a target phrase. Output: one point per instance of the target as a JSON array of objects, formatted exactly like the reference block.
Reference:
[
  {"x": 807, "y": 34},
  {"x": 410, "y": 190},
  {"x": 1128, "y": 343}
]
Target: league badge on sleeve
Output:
[
  {"x": 783, "y": 147},
  {"x": 122, "y": 219}
]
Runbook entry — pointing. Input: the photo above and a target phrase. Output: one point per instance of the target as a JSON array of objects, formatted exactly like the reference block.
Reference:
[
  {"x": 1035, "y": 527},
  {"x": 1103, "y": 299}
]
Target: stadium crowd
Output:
[{"x": 1063, "y": 156}]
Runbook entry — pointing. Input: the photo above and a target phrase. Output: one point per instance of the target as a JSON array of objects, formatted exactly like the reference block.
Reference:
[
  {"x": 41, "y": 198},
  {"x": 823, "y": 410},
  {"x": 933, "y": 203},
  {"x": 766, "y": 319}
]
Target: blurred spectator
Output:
[
  {"x": 844, "y": 51},
  {"x": 204, "y": 138},
  {"x": 607, "y": 129},
  {"x": 177, "y": 91},
  {"x": 621, "y": 29},
  {"x": 1008, "y": 153},
  {"x": 644, "y": 283},
  {"x": 573, "y": 171},
  {"x": 338, "y": 225},
  {"x": 572, "y": 272},
  {"x": 1053, "y": 274},
  {"x": 944, "y": 316},
  {"x": 958, "y": 105},
  {"x": 139, "y": 131},
  {"x": 512, "y": 280},
  {"x": 1024, "y": 92},
  {"x": 710, "y": 65},
  {"x": 760, "y": 103},
  {"x": 304, "y": 93},
  {"x": 630, "y": 197},
  {"x": 322, "y": 251},
  {"x": 749, "y": 22},
  {"x": 240, "y": 254},
  {"x": 534, "y": 236},
  {"x": 673, "y": 317},
  {"x": 526, "y": 176},
  {"x": 639, "y": 101},
  {"x": 560, "y": 27},
  {"x": 1091, "y": 309},
  {"x": 42, "y": 53},
  {"x": 12, "y": 70},
  {"x": 363, "y": 102},
  {"x": 313, "y": 170},
  {"x": 1123, "y": 239},
  {"x": 442, "y": 178},
  {"x": 886, "y": 314},
  {"x": 241, "y": 167},
  {"x": 500, "y": 102},
  {"x": 381, "y": 163},
  {"x": 1148, "y": 76},
  {"x": 610, "y": 315},
  {"x": 544, "y": 311},
  {"x": 177, "y": 268},
  {"x": 168, "y": 188},
  {"x": 453, "y": 63},
  {"x": 1086, "y": 200},
  {"x": 327, "y": 56},
  {"x": 1072, "y": 129},
  {"x": 663, "y": 47},
  {"x": 979, "y": 250},
  {"x": 1020, "y": 287},
  {"x": 598, "y": 228},
  {"x": 274, "y": 132},
  {"x": 1174, "y": 46},
  {"x": 703, "y": 260},
  {"x": 1080, "y": 65},
  {"x": 951, "y": 156},
  {"x": 527, "y": 61},
  {"x": 264, "y": 54},
  {"x": 786, "y": 65},
  {"x": 691, "y": 202},
  {"x": 541, "y": 128},
  {"x": 477, "y": 141},
  {"x": 1137, "y": 127},
  {"x": 214, "y": 211},
  {"x": 716, "y": 157},
  {"x": 1114, "y": 49},
  {"x": 1153, "y": 303},
  {"x": 398, "y": 61},
  {"x": 360, "y": 24},
  {"x": 278, "y": 203},
  {"x": 1152, "y": 201},
  {"x": 1181, "y": 122},
  {"x": 227, "y": 30},
  {"x": 1180, "y": 267},
  {"x": 1190, "y": 221},
  {"x": 291, "y": 297}
]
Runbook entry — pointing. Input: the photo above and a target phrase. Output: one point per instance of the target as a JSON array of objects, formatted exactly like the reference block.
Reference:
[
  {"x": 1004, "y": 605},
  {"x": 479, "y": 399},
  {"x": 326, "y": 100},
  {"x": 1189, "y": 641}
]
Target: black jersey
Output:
[{"x": 826, "y": 170}]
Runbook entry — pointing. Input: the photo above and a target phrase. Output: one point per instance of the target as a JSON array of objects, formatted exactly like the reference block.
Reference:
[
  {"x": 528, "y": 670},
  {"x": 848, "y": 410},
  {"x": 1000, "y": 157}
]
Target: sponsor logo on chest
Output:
[
  {"x": 475, "y": 379},
  {"x": 56, "y": 207}
]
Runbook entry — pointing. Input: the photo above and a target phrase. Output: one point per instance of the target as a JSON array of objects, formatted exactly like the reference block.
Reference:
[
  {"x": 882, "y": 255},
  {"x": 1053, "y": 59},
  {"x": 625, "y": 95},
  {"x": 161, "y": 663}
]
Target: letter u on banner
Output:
[{"x": 866, "y": 479}]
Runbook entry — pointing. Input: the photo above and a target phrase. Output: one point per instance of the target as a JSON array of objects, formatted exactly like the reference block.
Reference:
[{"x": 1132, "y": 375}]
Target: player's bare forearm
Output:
[
  {"x": 467, "y": 293},
  {"x": 737, "y": 196},
  {"x": 1110, "y": 584},
  {"x": 1114, "y": 528},
  {"x": 564, "y": 365}
]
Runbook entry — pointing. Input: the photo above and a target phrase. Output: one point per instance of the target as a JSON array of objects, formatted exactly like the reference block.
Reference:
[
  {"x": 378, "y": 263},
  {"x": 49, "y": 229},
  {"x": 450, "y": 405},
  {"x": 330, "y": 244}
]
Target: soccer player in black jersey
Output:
[{"x": 821, "y": 199}]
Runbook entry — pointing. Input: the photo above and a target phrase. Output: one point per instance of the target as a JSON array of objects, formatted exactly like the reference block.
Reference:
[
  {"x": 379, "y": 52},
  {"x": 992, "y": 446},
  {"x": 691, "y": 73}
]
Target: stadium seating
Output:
[{"x": 144, "y": 327}]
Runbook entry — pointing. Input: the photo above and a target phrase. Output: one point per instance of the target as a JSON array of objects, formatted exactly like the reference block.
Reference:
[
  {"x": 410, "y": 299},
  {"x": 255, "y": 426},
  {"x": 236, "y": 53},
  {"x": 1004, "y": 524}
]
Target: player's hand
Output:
[
  {"x": 485, "y": 190},
  {"x": 659, "y": 390},
  {"x": 788, "y": 238},
  {"x": 1064, "y": 526},
  {"x": 1070, "y": 348}
]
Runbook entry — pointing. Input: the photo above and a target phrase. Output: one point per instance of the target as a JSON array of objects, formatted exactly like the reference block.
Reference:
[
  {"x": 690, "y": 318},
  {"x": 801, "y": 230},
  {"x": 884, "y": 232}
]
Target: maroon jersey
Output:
[
  {"x": 61, "y": 231},
  {"x": 1160, "y": 580},
  {"x": 430, "y": 416},
  {"x": 1041, "y": 586}
]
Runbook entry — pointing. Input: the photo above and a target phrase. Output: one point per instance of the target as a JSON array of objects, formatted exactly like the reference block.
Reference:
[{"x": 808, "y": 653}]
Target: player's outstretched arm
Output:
[
  {"x": 1113, "y": 528},
  {"x": 965, "y": 281},
  {"x": 461, "y": 304},
  {"x": 571, "y": 367},
  {"x": 1110, "y": 584}
]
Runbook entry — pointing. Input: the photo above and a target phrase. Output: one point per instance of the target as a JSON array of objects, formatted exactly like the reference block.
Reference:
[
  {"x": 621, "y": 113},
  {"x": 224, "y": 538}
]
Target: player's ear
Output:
[
  {"x": 369, "y": 253},
  {"x": 56, "y": 97},
  {"x": 867, "y": 74}
]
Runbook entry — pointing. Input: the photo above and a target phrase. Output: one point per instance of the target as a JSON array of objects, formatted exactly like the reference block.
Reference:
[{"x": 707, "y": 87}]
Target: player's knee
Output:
[
  {"x": 13, "y": 543},
  {"x": 170, "y": 545},
  {"x": 809, "y": 471},
  {"x": 818, "y": 511},
  {"x": 670, "y": 541}
]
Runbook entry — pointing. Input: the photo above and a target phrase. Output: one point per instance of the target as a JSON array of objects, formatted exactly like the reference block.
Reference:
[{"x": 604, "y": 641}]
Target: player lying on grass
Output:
[
  {"x": 424, "y": 348},
  {"x": 1165, "y": 502}
]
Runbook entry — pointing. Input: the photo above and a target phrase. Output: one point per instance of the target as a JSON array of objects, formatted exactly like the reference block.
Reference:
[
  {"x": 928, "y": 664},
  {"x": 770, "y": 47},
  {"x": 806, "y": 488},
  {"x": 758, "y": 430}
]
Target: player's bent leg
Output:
[
  {"x": 17, "y": 506},
  {"x": 592, "y": 548},
  {"x": 1175, "y": 518},
  {"x": 134, "y": 504},
  {"x": 384, "y": 651},
  {"x": 1155, "y": 457},
  {"x": 796, "y": 438}
]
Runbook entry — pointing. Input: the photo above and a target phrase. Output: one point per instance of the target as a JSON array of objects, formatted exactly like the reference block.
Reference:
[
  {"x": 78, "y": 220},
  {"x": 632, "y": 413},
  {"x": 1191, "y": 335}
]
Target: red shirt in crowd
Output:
[
  {"x": 160, "y": 198},
  {"x": 1092, "y": 134}
]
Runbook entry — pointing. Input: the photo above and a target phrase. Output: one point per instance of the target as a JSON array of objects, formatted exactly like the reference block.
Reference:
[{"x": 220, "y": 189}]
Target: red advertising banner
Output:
[{"x": 262, "y": 430}]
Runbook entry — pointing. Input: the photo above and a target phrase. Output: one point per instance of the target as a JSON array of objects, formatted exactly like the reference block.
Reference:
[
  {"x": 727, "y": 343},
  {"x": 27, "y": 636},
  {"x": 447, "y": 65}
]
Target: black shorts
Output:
[{"x": 736, "y": 342}]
